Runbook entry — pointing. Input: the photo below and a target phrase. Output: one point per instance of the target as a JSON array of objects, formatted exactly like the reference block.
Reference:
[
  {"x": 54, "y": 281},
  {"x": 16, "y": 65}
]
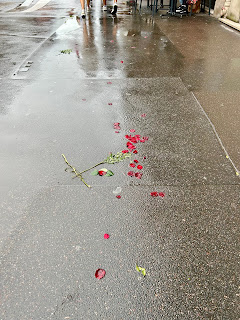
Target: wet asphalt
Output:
[{"x": 119, "y": 69}]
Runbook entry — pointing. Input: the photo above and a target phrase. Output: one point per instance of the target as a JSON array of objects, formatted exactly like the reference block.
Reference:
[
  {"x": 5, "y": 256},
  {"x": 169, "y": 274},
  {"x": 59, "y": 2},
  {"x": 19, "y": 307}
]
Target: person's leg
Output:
[
  {"x": 114, "y": 10},
  {"x": 83, "y": 8},
  {"x": 88, "y": 5},
  {"x": 104, "y": 5}
]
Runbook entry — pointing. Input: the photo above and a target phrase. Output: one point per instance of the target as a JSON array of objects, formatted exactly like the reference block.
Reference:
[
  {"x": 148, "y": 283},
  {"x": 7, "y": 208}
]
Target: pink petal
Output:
[
  {"x": 84, "y": 99},
  {"x": 109, "y": 82},
  {"x": 143, "y": 115},
  {"x": 110, "y": 103},
  {"x": 116, "y": 131},
  {"x": 106, "y": 236},
  {"x": 100, "y": 273},
  {"x": 132, "y": 130},
  {"x": 138, "y": 175},
  {"x": 161, "y": 194},
  {"x": 142, "y": 140},
  {"x": 125, "y": 151},
  {"x": 121, "y": 61}
]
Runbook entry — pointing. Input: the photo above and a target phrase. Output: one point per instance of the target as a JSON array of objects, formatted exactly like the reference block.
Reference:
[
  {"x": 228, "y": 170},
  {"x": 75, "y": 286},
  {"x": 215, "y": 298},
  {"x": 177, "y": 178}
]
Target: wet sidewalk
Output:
[{"x": 124, "y": 70}]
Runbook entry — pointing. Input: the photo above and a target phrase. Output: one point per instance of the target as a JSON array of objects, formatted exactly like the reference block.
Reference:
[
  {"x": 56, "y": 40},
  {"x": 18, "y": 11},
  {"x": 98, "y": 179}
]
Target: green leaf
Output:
[
  {"x": 142, "y": 270},
  {"x": 94, "y": 172},
  {"x": 109, "y": 173}
]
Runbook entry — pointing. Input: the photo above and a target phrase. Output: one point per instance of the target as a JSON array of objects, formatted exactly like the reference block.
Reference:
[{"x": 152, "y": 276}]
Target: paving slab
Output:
[{"x": 186, "y": 241}]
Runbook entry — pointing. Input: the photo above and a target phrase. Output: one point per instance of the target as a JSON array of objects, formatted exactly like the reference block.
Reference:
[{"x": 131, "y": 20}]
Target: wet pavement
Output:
[{"x": 52, "y": 225}]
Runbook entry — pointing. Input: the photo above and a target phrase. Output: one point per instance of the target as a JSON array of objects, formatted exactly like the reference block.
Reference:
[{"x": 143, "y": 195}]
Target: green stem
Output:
[
  {"x": 93, "y": 166},
  {"x": 77, "y": 173}
]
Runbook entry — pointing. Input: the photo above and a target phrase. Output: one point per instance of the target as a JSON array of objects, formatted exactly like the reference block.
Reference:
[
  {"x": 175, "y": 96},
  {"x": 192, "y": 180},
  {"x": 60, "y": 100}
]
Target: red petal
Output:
[
  {"x": 131, "y": 173},
  {"x": 135, "y": 151},
  {"x": 117, "y": 132},
  {"x": 142, "y": 140},
  {"x": 121, "y": 61},
  {"x": 118, "y": 196},
  {"x": 100, "y": 273},
  {"x": 109, "y": 82},
  {"x": 132, "y": 130},
  {"x": 145, "y": 138},
  {"x": 134, "y": 140},
  {"x": 139, "y": 167},
  {"x": 130, "y": 146},
  {"x": 138, "y": 175},
  {"x": 110, "y": 103},
  {"x": 136, "y": 161},
  {"x": 143, "y": 115},
  {"x": 154, "y": 194},
  {"x": 125, "y": 151},
  {"x": 106, "y": 236},
  {"x": 161, "y": 194},
  {"x": 116, "y": 123},
  {"x": 144, "y": 157},
  {"x": 132, "y": 165},
  {"x": 102, "y": 173},
  {"x": 128, "y": 137}
]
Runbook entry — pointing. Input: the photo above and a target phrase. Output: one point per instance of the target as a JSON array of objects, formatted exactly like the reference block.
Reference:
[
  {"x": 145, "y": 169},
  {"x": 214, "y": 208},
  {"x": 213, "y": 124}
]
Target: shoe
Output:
[
  {"x": 88, "y": 9},
  {"x": 104, "y": 8},
  {"x": 83, "y": 15},
  {"x": 182, "y": 9},
  {"x": 114, "y": 10}
]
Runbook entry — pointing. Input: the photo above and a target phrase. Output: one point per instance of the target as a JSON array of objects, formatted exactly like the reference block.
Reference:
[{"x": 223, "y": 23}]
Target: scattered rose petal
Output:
[
  {"x": 102, "y": 173},
  {"x": 116, "y": 131},
  {"x": 130, "y": 146},
  {"x": 134, "y": 140},
  {"x": 137, "y": 137},
  {"x": 142, "y": 140},
  {"x": 131, "y": 173},
  {"x": 106, "y": 236},
  {"x": 118, "y": 196},
  {"x": 143, "y": 115},
  {"x": 128, "y": 137},
  {"x": 161, "y": 194},
  {"x": 154, "y": 194},
  {"x": 109, "y": 82},
  {"x": 121, "y": 61},
  {"x": 145, "y": 138},
  {"x": 125, "y": 151},
  {"x": 145, "y": 37},
  {"x": 144, "y": 158},
  {"x": 136, "y": 161},
  {"x": 139, "y": 167},
  {"x": 138, "y": 175},
  {"x": 100, "y": 273},
  {"x": 116, "y": 123},
  {"x": 110, "y": 103},
  {"x": 132, "y": 130},
  {"x": 84, "y": 99},
  {"x": 111, "y": 41},
  {"x": 133, "y": 47},
  {"x": 135, "y": 151},
  {"x": 132, "y": 165}
]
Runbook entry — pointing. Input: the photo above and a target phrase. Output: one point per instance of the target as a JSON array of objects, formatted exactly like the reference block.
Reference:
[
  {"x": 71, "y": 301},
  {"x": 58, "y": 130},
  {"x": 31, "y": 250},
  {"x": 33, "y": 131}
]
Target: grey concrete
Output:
[{"x": 53, "y": 226}]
